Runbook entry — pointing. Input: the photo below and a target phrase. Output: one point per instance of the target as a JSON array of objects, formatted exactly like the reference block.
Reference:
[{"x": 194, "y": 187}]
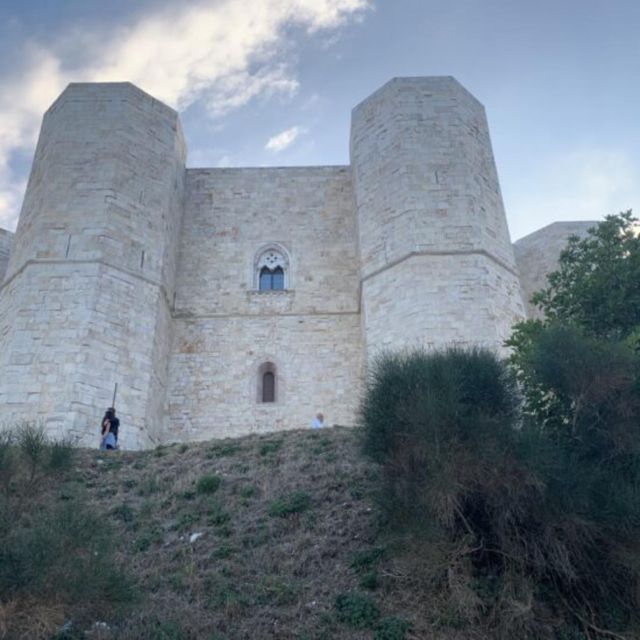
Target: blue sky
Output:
[{"x": 272, "y": 82}]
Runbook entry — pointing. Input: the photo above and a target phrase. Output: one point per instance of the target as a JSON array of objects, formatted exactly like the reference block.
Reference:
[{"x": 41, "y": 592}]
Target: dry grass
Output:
[{"x": 290, "y": 527}]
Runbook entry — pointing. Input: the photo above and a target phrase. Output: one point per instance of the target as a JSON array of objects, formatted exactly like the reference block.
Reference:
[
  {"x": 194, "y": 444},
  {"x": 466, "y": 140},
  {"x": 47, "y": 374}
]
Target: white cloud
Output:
[
  {"x": 581, "y": 185},
  {"x": 222, "y": 53},
  {"x": 284, "y": 139}
]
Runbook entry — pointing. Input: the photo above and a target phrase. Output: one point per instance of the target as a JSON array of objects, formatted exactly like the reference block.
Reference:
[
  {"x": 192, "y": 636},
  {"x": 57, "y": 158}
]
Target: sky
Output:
[{"x": 273, "y": 82}]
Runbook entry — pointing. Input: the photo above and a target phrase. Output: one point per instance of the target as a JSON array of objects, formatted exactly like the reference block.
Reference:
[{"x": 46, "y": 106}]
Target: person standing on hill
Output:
[
  {"x": 109, "y": 430},
  {"x": 318, "y": 421}
]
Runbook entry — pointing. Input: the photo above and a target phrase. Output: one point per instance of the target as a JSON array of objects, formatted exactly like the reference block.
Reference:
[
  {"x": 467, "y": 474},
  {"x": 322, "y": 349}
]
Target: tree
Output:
[{"x": 597, "y": 284}]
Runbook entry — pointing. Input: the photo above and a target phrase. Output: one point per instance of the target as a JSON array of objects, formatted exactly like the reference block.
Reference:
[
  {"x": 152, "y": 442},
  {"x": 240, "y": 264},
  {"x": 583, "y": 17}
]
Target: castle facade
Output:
[{"x": 235, "y": 300}]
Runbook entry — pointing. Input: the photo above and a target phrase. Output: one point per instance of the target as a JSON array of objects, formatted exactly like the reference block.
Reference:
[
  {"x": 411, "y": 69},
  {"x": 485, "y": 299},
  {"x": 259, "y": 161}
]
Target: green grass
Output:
[
  {"x": 356, "y": 610},
  {"x": 208, "y": 484},
  {"x": 286, "y": 505}
]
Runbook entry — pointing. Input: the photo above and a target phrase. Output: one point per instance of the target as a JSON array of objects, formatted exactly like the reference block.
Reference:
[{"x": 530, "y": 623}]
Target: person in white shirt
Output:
[{"x": 317, "y": 422}]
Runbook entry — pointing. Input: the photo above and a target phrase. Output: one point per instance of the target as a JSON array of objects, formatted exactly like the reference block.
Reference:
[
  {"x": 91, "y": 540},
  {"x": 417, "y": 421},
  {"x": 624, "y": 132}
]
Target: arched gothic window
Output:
[
  {"x": 272, "y": 270},
  {"x": 271, "y": 280}
]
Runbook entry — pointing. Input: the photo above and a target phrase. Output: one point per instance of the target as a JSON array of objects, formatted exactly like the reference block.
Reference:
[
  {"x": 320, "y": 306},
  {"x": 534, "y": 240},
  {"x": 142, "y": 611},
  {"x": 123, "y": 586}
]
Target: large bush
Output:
[
  {"x": 526, "y": 531},
  {"x": 57, "y": 555}
]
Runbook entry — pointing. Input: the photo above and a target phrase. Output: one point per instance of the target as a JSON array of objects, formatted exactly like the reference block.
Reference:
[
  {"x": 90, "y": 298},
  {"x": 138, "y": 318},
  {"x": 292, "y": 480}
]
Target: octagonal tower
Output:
[
  {"x": 437, "y": 265},
  {"x": 86, "y": 299}
]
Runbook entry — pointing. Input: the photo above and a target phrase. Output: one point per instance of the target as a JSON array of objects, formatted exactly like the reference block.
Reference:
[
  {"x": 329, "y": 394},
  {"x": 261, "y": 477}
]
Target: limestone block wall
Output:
[
  {"x": 6, "y": 240},
  {"x": 538, "y": 253},
  {"x": 231, "y": 214},
  {"x": 93, "y": 260},
  {"x": 463, "y": 300},
  {"x": 225, "y": 329},
  {"x": 215, "y": 368},
  {"x": 426, "y": 186}
]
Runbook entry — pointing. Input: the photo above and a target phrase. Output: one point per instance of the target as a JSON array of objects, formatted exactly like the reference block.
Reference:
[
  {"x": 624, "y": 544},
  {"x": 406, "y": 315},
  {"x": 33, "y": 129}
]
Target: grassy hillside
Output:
[{"x": 270, "y": 536}]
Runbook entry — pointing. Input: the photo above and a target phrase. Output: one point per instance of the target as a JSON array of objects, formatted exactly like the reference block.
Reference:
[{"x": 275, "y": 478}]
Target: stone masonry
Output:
[
  {"x": 128, "y": 268},
  {"x": 538, "y": 253}
]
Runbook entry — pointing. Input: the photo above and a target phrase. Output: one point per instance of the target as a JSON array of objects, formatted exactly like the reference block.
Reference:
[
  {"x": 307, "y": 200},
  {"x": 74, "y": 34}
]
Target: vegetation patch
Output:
[
  {"x": 356, "y": 610},
  {"x": 208, "y": 484},
  {"x": 392, "y": 628},
  {"x": 289, "y": 504}
]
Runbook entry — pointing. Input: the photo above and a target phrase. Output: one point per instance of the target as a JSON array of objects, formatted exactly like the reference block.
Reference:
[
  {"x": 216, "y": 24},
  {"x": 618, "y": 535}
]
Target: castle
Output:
[{"x": 234, "y": 300}]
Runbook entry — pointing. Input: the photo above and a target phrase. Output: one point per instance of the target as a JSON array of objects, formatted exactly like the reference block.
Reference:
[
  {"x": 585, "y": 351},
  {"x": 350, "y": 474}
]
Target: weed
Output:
[
  {"x": 217, "y": 515},
  {"x": 8, "y": 461},
  {"x": 186, "y": 521},
  {"x": 223, "y": 450},
  {"x": 150, "y": 536},
  {"x": 295, "y": 502},
  {"x": 183, "y": 448},
  {"x": 369, "y": 580},
  {"x": 189, "y": 494},
  {"x": 260, "y": 536},
  {"x": 248, "y": 491},
  {"x": 356, "y": 610},
  {"x": 148, "y": 486},
  {"x": 112, "y": 464},
  {"x": 167, "y": 630},
  {"x": 223, "y": 594},
  {"x": 224, "y": 530},
  {"x": 275, "y": 591},
  {"x": 223, "y": 552},
  {"x": 61, "y": 455},
  {"x": 32, "y": 443},
  {"x": 392, "y": 628},
  {"x": 123, "y": 512},
  {"x": 367, "y": 558},
  {"x": 270, "y": 447},
  {"x": 208, "y": 484}
]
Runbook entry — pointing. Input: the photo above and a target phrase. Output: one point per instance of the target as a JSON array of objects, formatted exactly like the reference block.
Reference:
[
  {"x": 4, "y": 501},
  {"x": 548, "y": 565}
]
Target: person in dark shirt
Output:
[{"x": 109, "y": 430}]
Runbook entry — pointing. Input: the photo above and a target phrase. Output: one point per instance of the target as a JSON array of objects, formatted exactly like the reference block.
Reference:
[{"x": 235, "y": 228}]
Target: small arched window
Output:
[
  {"x": 267, "y": 382},
  {"x": 272, "y": 269},
  {"x": 269, "y": 387}
]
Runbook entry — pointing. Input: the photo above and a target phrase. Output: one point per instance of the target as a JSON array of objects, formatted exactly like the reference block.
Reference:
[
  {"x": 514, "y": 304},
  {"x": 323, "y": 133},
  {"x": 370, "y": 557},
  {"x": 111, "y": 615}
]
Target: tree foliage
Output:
[{"x": 597, "y": 283}]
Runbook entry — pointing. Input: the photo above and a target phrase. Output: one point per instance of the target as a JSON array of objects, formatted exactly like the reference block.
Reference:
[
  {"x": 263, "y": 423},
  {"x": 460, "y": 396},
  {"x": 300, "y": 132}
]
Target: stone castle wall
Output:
[
  {"x": 537, "y": 255},
  {"x": 128, "y": 268},
  {"x": 225, "y": 329},
  {"x": 6, "y": 240}
]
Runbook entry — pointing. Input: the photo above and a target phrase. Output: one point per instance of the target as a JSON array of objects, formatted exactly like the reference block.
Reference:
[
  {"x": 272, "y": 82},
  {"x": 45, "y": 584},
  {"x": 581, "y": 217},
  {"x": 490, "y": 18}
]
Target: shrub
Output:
[
  {"x": 438, "y": 424},
  {"x": 8, "y": 461},
  {"x": 270, "y": 447},
  {"x": 506, "y": 522},
  {"x": 218, "y": 517},
  {"x": 61, "y": 455},
  {"x": 367, "y": 558},
  {"x": 248, "y": 491},
  {"x": 296, "y": 502},
  {"x": 392, "y": 629},
  {"x": 123, "y": 512},
  {"x": 356, "y": 610},
  {"x": 55, "y": 555},
  {"x": 32, "y": 444},
  {"x": 63, "y": 554},
  {"x": 223, "y": 450},
  {"x": 208, "y": 484}
]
